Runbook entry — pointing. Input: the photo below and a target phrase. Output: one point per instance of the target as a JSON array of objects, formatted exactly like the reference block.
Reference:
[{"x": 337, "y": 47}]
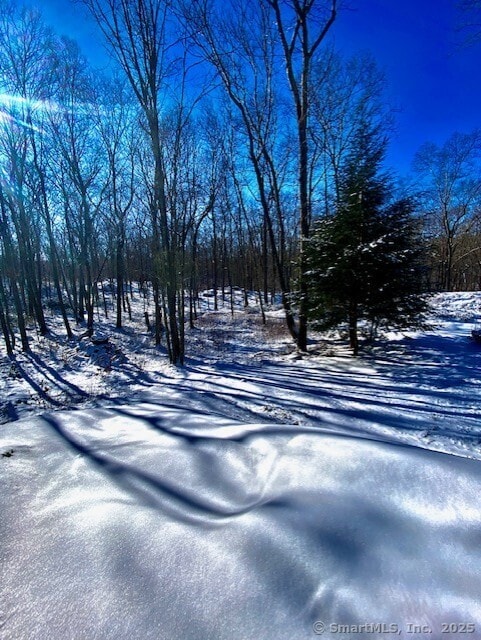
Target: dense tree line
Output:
[{"x": 202, "y": 158}]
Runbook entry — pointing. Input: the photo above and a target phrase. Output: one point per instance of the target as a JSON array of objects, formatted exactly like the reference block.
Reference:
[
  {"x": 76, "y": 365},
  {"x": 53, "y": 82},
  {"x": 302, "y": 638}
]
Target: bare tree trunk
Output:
[
  {"x": 120, "y": 280},
  {"x": 299, "y": 49},
  {"x": 4, "y": 321},
  {"x": 12, "y": 267}
]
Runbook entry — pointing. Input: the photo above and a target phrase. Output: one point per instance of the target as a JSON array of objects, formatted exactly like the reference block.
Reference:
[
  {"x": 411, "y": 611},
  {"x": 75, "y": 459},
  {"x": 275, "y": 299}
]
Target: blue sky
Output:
[{"x": 432, "y": 79}]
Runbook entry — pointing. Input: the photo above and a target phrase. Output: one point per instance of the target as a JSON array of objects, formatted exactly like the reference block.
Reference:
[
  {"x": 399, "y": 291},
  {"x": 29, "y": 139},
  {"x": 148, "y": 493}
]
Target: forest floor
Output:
[
  {"x": 418, "y": 386},
  {"x": 252, "y": 493}
]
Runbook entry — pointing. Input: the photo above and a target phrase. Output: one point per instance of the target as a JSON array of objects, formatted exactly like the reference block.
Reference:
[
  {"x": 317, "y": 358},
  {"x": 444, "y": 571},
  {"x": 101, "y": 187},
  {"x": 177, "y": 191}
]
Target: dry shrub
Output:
[{"x": 276, "y": 329}]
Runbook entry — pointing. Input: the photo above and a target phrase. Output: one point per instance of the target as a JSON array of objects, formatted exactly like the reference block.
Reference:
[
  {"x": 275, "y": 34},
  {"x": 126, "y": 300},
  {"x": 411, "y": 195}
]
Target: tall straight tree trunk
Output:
[
  {"x": 4, "y": 321},
  {"x": 265, "y": 262},
  {"x": 168, "y": 247},
  {"x": 120, "y": 280},
  {"x": 215, "y": 265},
  {"x": 305, "y": 218}
]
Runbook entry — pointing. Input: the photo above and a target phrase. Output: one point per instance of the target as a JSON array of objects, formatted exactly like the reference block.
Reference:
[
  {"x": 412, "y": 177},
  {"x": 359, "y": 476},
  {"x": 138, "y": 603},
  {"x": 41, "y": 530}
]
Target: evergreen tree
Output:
[{"x": 365, "y": 258}]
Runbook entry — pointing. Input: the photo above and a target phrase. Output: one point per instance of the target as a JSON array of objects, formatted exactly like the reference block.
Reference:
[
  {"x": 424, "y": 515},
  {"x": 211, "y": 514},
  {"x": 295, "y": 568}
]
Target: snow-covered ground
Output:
[{"x": 250, "y": 494}]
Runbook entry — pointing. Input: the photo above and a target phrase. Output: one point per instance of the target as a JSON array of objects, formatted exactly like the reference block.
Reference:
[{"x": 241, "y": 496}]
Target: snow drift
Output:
[{"x": 158, "y": 522}]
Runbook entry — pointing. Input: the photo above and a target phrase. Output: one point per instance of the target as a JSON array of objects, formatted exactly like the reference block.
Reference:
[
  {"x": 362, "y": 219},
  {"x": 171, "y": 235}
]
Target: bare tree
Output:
[
  {"x": 11, "y": 270},
  {"x": 239, "y": 39},
  {"x": 23, "y": 49},
  {"x": 116, "y": 123},
  {"x": 451, "y": 190},
  {"x": 136, "y": 33},
  {"x": 76, "y": 168},
  {"x": 347, "y": 92},
  {"x": 302, "y": 26}
]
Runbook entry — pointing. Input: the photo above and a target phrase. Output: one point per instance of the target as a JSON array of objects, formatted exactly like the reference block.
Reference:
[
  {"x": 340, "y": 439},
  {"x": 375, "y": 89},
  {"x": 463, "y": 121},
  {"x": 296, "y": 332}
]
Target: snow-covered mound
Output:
[
  {"x": 462, "y": 305},
  {"x": 157, "y": 523}
]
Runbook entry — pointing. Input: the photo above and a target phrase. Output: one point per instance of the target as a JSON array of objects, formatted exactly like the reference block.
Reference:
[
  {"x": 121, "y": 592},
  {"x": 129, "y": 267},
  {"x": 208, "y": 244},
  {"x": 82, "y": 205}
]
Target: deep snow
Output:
[{"x": 250, "y": 494}]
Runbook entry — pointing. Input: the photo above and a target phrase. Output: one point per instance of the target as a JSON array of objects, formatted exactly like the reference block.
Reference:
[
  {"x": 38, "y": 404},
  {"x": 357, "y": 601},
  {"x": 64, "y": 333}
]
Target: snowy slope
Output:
[
  {"x": 258, "y": 497},
  {"x": 178, "y": 525}
]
